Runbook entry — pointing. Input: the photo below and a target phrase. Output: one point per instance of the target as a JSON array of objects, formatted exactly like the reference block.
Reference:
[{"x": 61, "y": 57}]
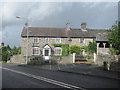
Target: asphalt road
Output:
[{"x": 14, "y": 76}]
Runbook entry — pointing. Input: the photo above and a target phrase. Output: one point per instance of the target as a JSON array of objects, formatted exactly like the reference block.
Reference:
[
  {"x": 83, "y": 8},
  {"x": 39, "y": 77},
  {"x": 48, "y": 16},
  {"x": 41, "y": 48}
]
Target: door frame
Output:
[{"x": 47, "y": 47}]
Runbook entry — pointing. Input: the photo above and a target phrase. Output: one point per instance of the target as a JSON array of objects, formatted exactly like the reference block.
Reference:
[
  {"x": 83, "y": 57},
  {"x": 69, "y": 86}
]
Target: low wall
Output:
[
  {"x": 101, "y": 58},
  {"x": 63, "y": 59},
  {"x": 18, "y": 59},
  {"x": 67, "y": 59}
]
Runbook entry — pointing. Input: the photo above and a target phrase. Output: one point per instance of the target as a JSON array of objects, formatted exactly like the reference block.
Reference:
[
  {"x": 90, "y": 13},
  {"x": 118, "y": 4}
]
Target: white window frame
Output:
[
  {"x": 37, "y": 52},
  {"x": 46, "y": 40},
  {"x": 56, "y": 40},
  {"x": 57, "y": 48},
  {"x": 35, "y": 40}
]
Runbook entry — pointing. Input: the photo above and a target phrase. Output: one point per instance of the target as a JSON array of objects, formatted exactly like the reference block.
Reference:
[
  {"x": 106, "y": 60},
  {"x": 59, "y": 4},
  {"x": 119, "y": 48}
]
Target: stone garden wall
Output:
[
  {"x": 62, "y": 59},
  {"x": 107, "y": 58},
  {"x": 17, "y": 59}
]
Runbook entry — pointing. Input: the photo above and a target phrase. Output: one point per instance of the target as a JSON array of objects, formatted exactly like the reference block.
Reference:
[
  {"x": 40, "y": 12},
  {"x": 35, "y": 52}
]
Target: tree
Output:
[
  {"x": 114, "y": 38},
  {"x": 4, "y": 54},
  {"x": 14, "y": 50},
  {"x": 75, "y": 49},
  {"x": 8, "y": 47},
  {"x": 19, "y": 50},
  {"x": 92, "y": 47}
]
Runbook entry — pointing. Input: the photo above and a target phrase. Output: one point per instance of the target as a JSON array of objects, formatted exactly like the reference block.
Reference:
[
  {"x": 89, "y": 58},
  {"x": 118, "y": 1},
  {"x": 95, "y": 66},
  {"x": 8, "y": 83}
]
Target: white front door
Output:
[{"x": 46, "y": 52}]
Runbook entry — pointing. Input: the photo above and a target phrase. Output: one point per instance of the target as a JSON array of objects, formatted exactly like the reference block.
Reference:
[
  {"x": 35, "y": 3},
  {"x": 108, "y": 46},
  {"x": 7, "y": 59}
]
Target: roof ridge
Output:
[{"x": 47, "y": 27}]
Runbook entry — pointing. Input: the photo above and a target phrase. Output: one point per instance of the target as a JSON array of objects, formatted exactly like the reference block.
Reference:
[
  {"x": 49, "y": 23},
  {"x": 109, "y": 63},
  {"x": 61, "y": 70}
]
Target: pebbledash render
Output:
[{"x": 41, "y": 39}]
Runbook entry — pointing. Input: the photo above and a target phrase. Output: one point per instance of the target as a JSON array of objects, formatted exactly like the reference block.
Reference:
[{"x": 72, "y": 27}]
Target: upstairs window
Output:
[
  {"x": 58, "y": 51},
  {"x": 35, "y": 40},
  {"x": 58, "y": 40},
  {"x": 81, "y": 40},
  {"x": 35, "y": 50},
  {"x": 46, "y": 40}
]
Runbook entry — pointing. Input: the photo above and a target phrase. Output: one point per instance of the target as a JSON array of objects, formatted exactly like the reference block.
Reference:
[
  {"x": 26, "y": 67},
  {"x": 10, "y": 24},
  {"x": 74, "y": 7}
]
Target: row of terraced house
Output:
[{"x": 41, "y": 39}]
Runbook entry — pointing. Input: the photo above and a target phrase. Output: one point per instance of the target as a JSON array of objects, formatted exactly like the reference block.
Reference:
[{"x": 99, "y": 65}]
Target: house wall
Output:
[
  {"x": 103, "y": 50},
  {"x": 75, "y": 41}
]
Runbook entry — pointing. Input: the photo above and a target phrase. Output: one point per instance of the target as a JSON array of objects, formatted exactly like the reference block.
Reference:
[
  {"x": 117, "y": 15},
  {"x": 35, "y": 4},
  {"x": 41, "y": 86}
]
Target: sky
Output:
[{"x": 97, "y": 15}]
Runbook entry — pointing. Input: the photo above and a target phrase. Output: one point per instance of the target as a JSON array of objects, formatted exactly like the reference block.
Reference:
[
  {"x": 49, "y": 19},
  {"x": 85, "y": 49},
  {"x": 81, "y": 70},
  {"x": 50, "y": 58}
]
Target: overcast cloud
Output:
[{"x": 98, "y": 15}]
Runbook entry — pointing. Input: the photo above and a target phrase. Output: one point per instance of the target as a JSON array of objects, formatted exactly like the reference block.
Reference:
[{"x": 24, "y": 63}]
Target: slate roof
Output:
[
  {"x": 50, "y": 32},
  {"x": 61, "y": 32}
]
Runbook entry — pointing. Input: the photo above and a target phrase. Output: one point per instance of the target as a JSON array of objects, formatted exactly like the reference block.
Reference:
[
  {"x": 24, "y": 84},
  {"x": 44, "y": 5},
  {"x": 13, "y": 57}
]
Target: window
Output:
[
  {"x": 58, "y": 51},
  {"x": 35, "y": 40},
  {"x": 35, "y": 50},
  {"x": 58, "y": 40},
  {"x": 81, "y": 40},
  {"x": 46, "y": 40}
]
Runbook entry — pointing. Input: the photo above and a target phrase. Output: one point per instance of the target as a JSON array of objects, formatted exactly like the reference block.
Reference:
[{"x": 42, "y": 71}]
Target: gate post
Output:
[
  {"x": 94, "y": 57},
  {"x": 73, "y": 57}
]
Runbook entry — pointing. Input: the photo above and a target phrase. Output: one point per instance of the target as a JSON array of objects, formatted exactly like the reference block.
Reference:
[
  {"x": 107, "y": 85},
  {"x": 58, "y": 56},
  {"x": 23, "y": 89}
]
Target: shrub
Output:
[
  {"x": 65, "y": 50},
  {"x": 75, "y": 49},
  {"x": 34, "y": 60},
  {"x": 92, "y": 47},
  {"x": 56, "y": 59}
]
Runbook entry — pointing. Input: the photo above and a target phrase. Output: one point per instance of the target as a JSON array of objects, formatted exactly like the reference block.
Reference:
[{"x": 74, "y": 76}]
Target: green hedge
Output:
[{"x": 75, "y": 49}]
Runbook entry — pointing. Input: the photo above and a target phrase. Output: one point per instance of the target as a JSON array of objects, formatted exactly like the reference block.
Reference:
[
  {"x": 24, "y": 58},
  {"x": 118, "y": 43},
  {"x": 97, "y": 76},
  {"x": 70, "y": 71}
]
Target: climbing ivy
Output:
[{"x": 65, "y": 48}]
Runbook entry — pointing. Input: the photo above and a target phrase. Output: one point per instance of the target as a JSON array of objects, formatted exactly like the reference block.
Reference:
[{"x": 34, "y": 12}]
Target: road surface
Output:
[{"x": 14, "y": 76}]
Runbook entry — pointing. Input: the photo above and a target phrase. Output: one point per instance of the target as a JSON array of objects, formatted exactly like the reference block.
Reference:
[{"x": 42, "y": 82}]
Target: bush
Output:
[
  {"x": 92, "y": 47},
  {"x": 89, "y": 56},
  {"x": 75, "y": 49},
  {"x": 34, "y": 60},
  {"x": 56, "y": 59},
  {"x": 65, "y": 50},
  {"x": 54, "y": 62}
]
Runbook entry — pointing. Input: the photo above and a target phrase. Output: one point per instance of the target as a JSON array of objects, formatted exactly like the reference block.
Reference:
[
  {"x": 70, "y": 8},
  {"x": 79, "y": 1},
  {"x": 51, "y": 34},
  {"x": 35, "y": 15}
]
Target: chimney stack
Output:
[
  {"x": 68, "y": 25},
  {"x": 2, "y": 44},
  {"x": 83, "y": 26},
  {"x": 26, "y": 24}
]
